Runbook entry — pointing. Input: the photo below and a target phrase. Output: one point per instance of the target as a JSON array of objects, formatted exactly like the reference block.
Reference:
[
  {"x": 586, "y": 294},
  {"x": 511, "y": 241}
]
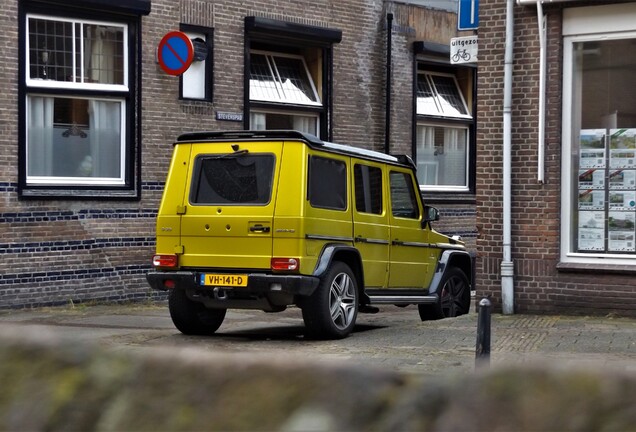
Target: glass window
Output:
[
  {"x": 75, "y": 52},
  {"x": 368, "y": 188},
  {"x": 327, "y": 183},
  {"x": 439, "y": 95},
  {"x": 77, "y": 101},
  {"x": 229, "y": 179},
  {"x": 271, "y": 120},
  {"x": 600, "y": 166},
  {"x": 281, "y": 78},
  {"x": 442, "y": 157},
  {"x": 403, "y": 198}
]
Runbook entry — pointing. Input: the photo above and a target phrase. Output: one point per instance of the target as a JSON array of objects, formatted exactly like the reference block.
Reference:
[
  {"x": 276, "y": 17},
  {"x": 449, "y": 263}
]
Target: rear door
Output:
[{"x": 229, "y": 201}]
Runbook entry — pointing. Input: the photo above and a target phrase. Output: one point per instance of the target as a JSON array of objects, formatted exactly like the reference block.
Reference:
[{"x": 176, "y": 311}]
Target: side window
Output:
[
  {"x": 327, "y": 183},
  {"x": 403, "y": 199},
  {"x": 368, "y": 189}
]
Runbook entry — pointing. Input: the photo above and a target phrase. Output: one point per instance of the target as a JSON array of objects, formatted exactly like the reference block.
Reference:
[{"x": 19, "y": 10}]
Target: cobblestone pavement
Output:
[{"x": 394, "y": 338}]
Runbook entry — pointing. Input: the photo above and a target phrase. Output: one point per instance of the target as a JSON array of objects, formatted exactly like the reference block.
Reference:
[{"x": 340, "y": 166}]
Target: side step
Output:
[{"x": 396, "y": 300}]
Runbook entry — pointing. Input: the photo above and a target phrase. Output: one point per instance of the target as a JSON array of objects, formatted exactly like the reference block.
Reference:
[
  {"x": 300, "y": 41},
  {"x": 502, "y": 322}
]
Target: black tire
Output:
[
  {"x": 193, "y": 318},
  {"x": 453, "y": 299},
  {"x": 331, "y": 311}
]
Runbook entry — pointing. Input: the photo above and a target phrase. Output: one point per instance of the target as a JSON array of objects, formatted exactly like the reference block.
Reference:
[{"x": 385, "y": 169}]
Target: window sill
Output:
[
  {"x": 569, "y": 267},
  {"x": 81, "y": 194}
]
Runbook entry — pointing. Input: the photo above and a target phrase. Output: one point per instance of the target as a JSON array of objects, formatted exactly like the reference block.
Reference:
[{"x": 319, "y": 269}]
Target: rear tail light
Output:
[
  {"x": 285, "y": 264},
  {"x": 164, "y": 261}
]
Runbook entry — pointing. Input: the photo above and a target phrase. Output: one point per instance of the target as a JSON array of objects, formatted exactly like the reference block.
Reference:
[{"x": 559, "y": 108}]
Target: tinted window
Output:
[
  {"x": 403, "y": 200},
  {"x": 368, "y": 187},
  {"x": 327, "y": 183},
  {"x": 240, "y": 179}
]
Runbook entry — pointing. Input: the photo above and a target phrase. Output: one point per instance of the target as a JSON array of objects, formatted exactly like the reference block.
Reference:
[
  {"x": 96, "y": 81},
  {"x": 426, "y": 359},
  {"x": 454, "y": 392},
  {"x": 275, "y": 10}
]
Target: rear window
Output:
[{"x": 233, "y": 179}]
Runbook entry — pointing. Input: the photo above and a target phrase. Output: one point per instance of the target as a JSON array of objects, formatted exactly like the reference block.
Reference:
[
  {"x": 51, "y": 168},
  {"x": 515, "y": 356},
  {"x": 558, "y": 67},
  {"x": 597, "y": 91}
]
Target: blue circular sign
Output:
[{"x": 175, "y": 53}]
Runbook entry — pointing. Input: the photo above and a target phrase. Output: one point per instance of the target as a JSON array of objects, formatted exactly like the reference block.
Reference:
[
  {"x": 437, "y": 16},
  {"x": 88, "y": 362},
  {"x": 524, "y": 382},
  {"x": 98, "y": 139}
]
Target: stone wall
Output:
[{"x": 52, "y": 384}]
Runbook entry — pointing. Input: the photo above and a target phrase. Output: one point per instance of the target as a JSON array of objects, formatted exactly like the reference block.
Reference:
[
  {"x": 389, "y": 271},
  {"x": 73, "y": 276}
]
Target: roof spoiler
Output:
[{"x": 250, "y": 134}]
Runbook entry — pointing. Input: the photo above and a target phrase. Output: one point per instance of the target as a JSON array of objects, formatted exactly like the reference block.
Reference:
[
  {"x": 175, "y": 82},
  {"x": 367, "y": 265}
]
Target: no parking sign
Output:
[{"x": 175, "y": 53}]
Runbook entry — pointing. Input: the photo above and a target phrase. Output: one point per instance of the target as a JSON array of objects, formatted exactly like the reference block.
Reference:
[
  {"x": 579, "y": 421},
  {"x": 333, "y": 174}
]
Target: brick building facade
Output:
[
  {"x": 572, "y": 234},
  {"x": 89, "y": 117}
]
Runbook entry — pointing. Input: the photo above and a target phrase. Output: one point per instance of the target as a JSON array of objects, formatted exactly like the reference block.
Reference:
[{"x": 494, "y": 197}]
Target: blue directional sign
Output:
[{"x": 468, "y": 15}]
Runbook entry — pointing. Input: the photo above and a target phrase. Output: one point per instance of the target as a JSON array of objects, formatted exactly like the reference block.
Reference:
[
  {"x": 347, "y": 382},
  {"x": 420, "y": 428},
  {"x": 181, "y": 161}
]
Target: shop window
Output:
[
  {"x": 599, "y": 140},
  {"x": 78, "y": 111},
  {"x": 442, "y": 133}
]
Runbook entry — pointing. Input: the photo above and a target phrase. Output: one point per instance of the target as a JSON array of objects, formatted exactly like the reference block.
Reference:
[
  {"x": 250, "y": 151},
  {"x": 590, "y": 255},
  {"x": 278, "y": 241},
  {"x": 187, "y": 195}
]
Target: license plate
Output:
[{"x": 233, "y": 280}]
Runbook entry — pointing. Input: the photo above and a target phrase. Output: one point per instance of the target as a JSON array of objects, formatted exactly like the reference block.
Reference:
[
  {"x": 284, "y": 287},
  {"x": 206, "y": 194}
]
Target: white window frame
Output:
[
  {"x": 285, "y": 113},
  {"x": 270, "y": 57},
  {"x": 438, "y": 100},
  {"x": 33, "y": 86},
  {"x": 594, "y": 23},
  {"x": 446, "y": 188},
  {"x": 32, "y": 82}
]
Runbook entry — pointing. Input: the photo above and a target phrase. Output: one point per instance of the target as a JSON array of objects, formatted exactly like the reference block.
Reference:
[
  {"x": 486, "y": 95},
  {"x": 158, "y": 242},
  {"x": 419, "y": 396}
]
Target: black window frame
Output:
[
  {"x": 284, "y": 37},
  {"x": 435, "y": 57},
  {"x": 126, "y": 13},
  {"x": 208, "y": 32}
]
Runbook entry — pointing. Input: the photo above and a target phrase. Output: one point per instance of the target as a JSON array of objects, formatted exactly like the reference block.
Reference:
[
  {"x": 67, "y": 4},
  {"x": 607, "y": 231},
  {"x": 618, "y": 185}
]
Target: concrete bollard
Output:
[{"x": 482, "y": 351}]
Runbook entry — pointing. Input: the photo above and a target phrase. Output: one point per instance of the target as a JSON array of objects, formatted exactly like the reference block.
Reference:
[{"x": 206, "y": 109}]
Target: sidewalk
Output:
[{"x": 395, "y": 338}]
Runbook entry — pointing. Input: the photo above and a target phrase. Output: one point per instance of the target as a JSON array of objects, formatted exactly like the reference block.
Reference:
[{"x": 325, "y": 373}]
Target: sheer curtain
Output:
[
  {"x": 426, "y": 159},
  {"x": 257, "y": 121},
  {"x": 40, "y": 136},
  {"x": 105, "y": 138},
  {"x": 305, "y": 124},
  {"x": 454, "y": 158}
]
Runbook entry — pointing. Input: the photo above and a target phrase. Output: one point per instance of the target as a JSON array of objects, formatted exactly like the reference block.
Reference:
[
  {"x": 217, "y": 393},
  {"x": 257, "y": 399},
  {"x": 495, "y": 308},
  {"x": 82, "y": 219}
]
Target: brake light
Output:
[
  {"x": 285, "y": 264},
  {"x": 164, "y": 260}
]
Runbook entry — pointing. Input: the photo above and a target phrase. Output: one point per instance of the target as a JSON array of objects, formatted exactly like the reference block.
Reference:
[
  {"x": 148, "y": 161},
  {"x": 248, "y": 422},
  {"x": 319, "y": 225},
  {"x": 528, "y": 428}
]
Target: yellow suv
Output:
[{"x": 268, "y": 219}]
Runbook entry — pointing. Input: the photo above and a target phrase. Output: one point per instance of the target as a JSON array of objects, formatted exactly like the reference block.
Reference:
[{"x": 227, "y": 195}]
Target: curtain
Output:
[
  {"x": 40, "y": 136},
  {"x": 427, "y": 162},
  {"x": 100, "y": 55},
  {"x": 305, "y": 124},
  {"x": 105, "y": 139},
  {"x": 257, "y": 121},
  {"x": 454, "y": 158}
]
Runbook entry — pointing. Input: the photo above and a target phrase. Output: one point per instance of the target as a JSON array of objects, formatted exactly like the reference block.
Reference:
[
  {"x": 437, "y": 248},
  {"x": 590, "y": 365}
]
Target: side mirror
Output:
[{"x": 431, "y": 214}]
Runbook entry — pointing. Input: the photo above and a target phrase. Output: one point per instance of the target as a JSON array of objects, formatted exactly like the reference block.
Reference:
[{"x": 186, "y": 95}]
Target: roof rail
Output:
[{"x": 249, "y": 134}]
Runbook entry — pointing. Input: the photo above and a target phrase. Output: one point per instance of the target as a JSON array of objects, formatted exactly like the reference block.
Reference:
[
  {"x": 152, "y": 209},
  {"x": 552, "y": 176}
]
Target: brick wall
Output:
[
  {"x": 540, "y": 286},
  {"x": 56, "y": 251}
]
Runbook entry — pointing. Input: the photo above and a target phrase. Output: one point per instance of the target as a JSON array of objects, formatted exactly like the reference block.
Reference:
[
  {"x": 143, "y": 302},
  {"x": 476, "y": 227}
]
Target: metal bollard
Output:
[{"x": 482, "y": 352}]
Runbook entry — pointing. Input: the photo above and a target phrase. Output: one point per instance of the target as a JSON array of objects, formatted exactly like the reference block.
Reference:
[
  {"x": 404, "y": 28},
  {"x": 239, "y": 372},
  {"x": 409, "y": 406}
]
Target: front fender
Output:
[{"x": 452, "y": 258}]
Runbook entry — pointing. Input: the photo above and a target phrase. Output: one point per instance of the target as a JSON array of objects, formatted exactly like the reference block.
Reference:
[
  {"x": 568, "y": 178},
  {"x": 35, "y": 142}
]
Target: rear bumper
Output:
[{"x": 258, "y": 283}]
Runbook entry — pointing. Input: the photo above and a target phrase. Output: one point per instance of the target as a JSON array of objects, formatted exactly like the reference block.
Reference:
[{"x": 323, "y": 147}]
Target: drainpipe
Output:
[
  {"x": 542, "y": 78},
  {"x": 507, "y": 266},
  {"x": 387, "y": 124}
]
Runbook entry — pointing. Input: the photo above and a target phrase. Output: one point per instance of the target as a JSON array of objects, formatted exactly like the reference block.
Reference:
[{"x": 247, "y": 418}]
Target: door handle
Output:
[{"x": 259, "y": 229}]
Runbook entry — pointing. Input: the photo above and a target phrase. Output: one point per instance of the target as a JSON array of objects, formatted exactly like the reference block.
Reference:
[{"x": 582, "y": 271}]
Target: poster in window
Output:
[
  {"x": 622, "y": 200},
  {"x": 592, "y": 148},
  {"x": 621, "y": 231},
  {"x": 622, "y": 148},
  {"x": 591, "y": 231},
  {"x": 622, "y": 179},
  {"x": 590, "y": 199},
  {"x": 592, "y": 178}
]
